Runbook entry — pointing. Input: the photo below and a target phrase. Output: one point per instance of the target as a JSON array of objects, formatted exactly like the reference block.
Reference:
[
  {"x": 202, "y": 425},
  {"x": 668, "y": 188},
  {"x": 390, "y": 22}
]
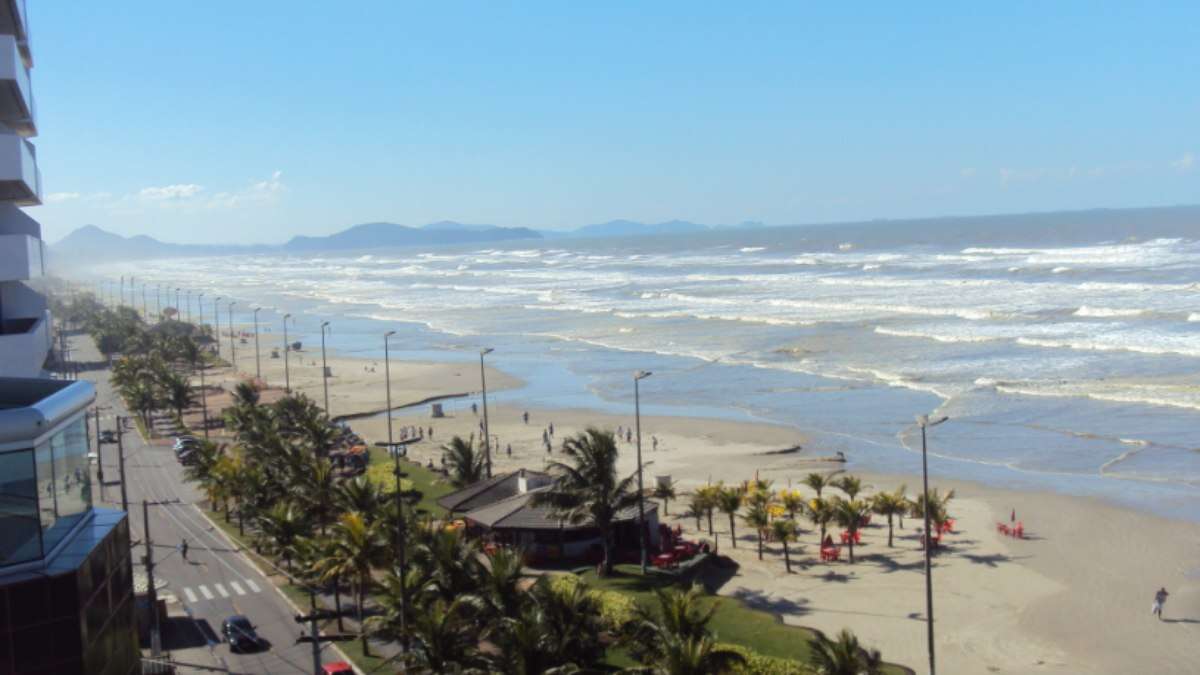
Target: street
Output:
[{"x": 216, "y": 580}]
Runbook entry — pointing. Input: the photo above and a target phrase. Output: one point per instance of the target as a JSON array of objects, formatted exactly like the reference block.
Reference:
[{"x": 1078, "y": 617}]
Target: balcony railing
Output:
[
  {"x": 17, "y": 108},
  {"x": 14, "y": 22},
  {"x": 20, "y": 180},
  {"x": 24, "y": 344}
]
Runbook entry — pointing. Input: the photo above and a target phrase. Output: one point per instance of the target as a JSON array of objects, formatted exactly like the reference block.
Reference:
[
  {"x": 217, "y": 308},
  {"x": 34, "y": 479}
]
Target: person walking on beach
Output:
[
  {"x": 1160, "y": 599},
  {"x": 552, "y": 428},
  {"x": 525, "y": 416},
  {"x": 474, "y": 408},
  {"x": 655, "y": 440}
]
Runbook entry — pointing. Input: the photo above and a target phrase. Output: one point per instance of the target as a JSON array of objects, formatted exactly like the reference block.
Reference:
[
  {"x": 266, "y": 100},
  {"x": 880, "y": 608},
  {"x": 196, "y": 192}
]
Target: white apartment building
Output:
[{"x": 25, "y": 336}]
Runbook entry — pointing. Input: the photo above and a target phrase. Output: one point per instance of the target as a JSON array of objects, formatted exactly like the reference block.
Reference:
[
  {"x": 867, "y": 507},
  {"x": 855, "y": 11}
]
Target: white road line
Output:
[
  {"x": 221, "y": 589},
  {"x": 253, "y": 586},
  {"x": 205, "y": 592},
  {"x": 236, "y": 588},
  {"x": 190, "y": 595}
]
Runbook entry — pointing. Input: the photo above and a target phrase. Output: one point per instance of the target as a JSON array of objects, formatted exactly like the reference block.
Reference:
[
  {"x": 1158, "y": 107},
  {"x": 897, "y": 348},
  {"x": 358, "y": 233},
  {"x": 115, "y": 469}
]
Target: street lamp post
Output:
[
  {"x": 158, "y": 300},
  {"x": 187, "y": 295},
  {"x": 178, "y": 311},
  {"x": 145, "y": 313},
  {"x": 487, "y": 442},
  {"x": 324, "y": 368},
  {"x": 232, "y": 348},
  {"x": 924, "y": 422},
  {"x": 637, "y": 416},
  {"x": 200, "y": 312},
  {"x": 287, "y": 375},
  {"x": 257, "y": 353},
  {"x": 122, "y": 301},
  {"x": 387, "y": 376},
  {"x": 217, "y": 323}
]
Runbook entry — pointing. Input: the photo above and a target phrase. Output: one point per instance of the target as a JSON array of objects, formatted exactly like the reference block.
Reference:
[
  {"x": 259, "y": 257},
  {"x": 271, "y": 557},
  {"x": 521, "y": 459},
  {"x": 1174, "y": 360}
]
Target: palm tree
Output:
[
  {"x": 444, "y": 639},
  {"x": 555, "y": 631},
  {"x": 728, "y": 501},
  {"x": 673, "y": 638},
  {"x": 665, "y": 490},
  {"x": 707, "y": 497},
  {"x": 447, "y": 561},
  {"x": 818, "y": 481},
  {"x": 843, "y": 656},
  {"x": 362, "y": 495},
  {"x": 313, "y": 487},
  {"x": 500, "y": 583},
  {"x": 281, "y": 527},
  {"x": 783, "y": 530},
  {"x": 820, "y": 512},
  {"x": 851, "y": 485},
  {"x": 850, "y": 513},
  {"x": 352, "y": 550},
  {"x": 889, "y": 504},
  {"x": 466, "y": 466},
  {"x": 179, "y": 393},
  {"x": 938, "y": 512},
  {"x": 695, "y": 509},
  {"x": 792, "y": 502},
  {"x": 587, "y": 491},
  {"x": 758, "y": 517},
  {"x": 143, "y": 400}
]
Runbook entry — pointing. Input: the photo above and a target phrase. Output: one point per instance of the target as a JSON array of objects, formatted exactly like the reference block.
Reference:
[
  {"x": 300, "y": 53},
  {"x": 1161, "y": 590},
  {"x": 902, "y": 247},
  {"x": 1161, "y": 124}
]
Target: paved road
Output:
[{"x": 215, "y": 581}]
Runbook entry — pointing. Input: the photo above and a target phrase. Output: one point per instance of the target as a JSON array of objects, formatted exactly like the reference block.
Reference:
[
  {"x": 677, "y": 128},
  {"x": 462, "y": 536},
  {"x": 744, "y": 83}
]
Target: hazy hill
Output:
[{"x": 369, "y": 235}]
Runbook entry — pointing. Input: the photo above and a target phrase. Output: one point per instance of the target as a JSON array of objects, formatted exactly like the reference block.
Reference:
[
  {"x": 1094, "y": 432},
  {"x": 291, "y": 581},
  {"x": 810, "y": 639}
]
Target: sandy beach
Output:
[{"x": 1073, "y": 597}]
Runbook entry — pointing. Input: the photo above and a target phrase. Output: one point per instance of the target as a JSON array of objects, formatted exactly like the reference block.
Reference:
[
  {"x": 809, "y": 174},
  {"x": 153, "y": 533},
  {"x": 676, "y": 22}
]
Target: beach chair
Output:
[
  {"x": 830, "y": 553},
  {"x": 1019, "y": 531},
  {"x": 1002, "y": 528}
]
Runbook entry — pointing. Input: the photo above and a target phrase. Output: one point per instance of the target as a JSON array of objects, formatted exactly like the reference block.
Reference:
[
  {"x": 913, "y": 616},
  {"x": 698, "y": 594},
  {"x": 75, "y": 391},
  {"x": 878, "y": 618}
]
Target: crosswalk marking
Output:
[{"x": 239, "y": 587}]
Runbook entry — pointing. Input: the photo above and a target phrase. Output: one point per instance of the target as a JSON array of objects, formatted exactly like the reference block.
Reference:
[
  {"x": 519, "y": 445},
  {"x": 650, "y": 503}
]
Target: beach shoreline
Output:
[{"x": 1073, "y": 597}]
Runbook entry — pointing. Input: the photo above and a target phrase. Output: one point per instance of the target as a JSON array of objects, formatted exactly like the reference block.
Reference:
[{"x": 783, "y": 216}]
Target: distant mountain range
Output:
[{"x": 90, "y": 243}]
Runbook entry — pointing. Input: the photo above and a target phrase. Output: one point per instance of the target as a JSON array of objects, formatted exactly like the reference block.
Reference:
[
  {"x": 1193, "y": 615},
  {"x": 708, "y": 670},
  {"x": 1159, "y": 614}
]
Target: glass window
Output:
[
  {"x": 64, "y": 481},
  {"x": 19, "y": 522}
]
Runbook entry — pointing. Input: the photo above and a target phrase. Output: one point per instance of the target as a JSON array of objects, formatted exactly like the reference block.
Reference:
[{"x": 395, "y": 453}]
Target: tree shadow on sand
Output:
[{"x": 768, "y": 603}]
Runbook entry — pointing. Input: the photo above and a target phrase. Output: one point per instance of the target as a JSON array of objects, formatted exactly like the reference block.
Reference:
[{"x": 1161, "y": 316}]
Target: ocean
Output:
[{"x": 1072, "y": 367}]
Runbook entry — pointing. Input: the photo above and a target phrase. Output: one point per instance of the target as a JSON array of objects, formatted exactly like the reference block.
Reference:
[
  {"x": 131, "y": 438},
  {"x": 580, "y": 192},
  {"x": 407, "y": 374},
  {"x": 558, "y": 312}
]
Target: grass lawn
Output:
[
  {"x": 429, "y": 484},
  {"x": 734, "y": 622}
]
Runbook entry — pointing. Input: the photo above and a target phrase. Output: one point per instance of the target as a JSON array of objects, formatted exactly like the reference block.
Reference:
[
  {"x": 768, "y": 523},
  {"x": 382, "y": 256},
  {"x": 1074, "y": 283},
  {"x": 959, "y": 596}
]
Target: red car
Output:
[{"x": 337, "y": 668}]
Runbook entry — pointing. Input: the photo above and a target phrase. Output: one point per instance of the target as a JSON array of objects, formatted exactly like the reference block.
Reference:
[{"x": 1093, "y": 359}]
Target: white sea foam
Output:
[
  {"x": 898, "y": 332},
  {"x": 752, "y": 249},
  {"x": 1106, "y": 312}
]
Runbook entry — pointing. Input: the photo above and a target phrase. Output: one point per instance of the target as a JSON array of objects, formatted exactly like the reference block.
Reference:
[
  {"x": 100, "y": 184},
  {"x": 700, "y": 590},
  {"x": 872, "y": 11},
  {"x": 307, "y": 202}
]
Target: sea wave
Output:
[{"x": 1107, "y": 312}]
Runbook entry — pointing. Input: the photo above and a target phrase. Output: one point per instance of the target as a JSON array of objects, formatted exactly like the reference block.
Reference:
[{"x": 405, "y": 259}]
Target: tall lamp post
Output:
[
  {"x": 178, "y": 309},
  {"x": 232, "y": 348},
  {"x": 387, "y": 376},
  {"x": 637, "y": 416},
  {"x": 158, "y": 300},
  {"x": 187, "y": 296},
  {"x": 257, "y": 353},
  {"x": 324, "y": 368},
  {"x": 145, "y": 313},
  {"x": 217, "y": 323},
  {"x": 924, "y": 422},
  {"x": 287, "y": 375},
  {"x": 200, "y": 312},
  {"x": 487, "y": 441}
]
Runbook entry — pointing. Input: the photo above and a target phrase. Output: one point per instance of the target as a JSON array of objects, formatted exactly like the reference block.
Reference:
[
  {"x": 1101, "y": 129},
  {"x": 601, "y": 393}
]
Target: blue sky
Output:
[{"x": 251, "y": 121}]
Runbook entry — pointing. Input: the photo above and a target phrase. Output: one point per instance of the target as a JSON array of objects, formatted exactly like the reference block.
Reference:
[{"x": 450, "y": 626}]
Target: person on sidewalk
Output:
[{"x": 1160, "y": 599}]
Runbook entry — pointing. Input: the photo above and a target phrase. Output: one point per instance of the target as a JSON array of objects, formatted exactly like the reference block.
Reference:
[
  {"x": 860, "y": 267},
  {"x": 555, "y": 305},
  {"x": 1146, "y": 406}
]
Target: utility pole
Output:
[
  {"x": 203, "y": 399},
  {"x": 232, "y": 349},
  {"x": 400, "y": 546},
  {"x": 314, "y": 635},
  {"x": 99, "y": 455},
  {"x": 156, "y": 634},
  {"x": 121, "y": 466}
]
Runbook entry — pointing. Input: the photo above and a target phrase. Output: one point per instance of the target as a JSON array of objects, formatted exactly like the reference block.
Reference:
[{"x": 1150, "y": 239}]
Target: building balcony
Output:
[
  {"x": 20, "y": 180},
  {"x": 14, "y": 22},
  {"x": 17, "y": 108},
  {"x": 21, "y": 257},
  {"x": 24, "y": 344}
]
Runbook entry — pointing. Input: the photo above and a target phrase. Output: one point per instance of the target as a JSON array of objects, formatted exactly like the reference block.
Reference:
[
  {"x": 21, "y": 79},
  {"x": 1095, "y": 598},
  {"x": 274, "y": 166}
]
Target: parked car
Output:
[
  {"x": 337, "y": 668},
  {"x": 239, "y": 633},
  {"x": 108, "y": 436}
]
